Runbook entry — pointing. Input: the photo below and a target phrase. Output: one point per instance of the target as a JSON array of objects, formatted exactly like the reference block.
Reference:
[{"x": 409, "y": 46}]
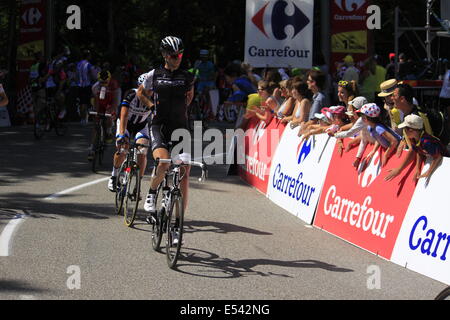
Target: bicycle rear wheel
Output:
[
  {"x": 121, "y": 187},
  {"x": 132, "y": 196},
  {"x": 97, "y": 149},
  {"x": 174, "y": 229}
]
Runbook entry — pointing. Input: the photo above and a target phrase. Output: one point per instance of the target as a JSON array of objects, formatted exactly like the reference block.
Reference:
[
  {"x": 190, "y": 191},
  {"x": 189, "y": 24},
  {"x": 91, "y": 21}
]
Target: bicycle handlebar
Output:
[
  {"x": 181, "y": 163},
  {"x": 108, "y": 115}
]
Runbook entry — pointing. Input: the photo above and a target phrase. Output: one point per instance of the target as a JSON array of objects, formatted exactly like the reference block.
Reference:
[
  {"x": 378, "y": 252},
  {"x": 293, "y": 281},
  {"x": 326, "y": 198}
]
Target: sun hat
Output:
[
  {"x": 412, "y": 121},
  {"x": 321, "y": 116},
  {"x": 371, "y": 110},
  {"x": 387, "y": 87}
]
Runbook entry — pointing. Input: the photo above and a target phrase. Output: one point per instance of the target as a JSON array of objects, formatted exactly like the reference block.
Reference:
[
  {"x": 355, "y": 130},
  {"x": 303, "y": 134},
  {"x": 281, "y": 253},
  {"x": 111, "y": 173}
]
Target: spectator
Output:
[
  {"x": 317, "y": 125},
  {"x": 288, "y": 104},
  {"x": 384, "y": 136},
  {"x": 207, "y": 72},
  {"x": 395, "y": 115},
  {"x": 347, "y": 91},
  {"x": 369, "y": 80},
  {"x": 423, "y": 145},
  {"x": 86, "y": 76},
  {"x": 405, "y": 68},
  {"x": 316, "y": 81},
  {"x": 254, "y": 77},
  {"x": 268, "y": 102},
  {"x": 273, "y": 75},
  {"x": 390, "y": 68},
  {"x": 351, "y": 72},
  {"x": 302, "y": 95}
]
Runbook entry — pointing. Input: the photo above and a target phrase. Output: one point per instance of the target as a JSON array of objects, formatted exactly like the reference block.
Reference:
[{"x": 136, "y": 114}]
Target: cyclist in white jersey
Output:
[{"x": 133, "y": 121}]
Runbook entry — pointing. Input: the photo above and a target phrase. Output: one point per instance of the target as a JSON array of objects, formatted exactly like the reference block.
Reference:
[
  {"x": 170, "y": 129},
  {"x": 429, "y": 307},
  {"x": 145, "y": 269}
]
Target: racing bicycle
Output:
[
  {"x": 48, "y": 118},
  {"x": 99, "y": 144},
  {"x": 128, "y": 184},
  {"x": 170, "y": 212}
]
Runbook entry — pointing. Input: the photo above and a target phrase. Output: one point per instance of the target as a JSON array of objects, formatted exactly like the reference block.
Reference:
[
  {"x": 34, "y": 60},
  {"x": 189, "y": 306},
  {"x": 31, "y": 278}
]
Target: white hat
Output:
[
  {"x": 412, "y": 121},
  {"x": 358, "y": 102}
]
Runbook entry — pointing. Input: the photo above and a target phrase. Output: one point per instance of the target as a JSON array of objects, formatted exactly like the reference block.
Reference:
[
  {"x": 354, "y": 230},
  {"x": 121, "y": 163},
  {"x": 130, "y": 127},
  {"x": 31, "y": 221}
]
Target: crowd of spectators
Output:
[{"x": 366, "y": 108}]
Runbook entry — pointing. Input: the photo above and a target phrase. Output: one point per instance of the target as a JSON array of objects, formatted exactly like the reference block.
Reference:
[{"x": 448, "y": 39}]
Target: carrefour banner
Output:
[
  {"x": 261, "y": 142},
  {"x": 279, "y": 33},
  {"x": 360, "y": 206},
  {"x": 298, "y": 172},
  {"x": 423, "y": 244}
]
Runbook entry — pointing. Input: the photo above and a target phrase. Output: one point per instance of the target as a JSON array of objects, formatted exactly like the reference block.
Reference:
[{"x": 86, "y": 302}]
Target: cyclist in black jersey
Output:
[{"x": 170, "y": 90}]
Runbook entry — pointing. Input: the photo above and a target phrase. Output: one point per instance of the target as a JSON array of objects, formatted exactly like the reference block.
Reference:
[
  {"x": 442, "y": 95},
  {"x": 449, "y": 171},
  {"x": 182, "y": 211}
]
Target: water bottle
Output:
[{"x": 102, "y": 93}]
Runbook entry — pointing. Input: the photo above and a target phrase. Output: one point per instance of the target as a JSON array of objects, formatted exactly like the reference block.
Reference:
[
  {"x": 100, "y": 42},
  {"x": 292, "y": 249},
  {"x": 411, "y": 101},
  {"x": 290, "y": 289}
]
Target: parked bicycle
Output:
[
  {"x": 170, "y": 212},
  {"x": 100, "y": 134},
  {"x": 48, "y": 118},
  {"x": 128, "y": 184}
]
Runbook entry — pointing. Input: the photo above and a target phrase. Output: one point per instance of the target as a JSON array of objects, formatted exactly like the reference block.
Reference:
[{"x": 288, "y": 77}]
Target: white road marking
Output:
[
  {"x": 81, "y": 186},
  {"x": 7, "y": 233}
]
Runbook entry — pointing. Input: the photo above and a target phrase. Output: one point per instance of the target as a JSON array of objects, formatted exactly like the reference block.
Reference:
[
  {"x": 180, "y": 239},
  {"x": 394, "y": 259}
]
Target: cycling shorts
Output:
[{"x": 136, "y": 131}]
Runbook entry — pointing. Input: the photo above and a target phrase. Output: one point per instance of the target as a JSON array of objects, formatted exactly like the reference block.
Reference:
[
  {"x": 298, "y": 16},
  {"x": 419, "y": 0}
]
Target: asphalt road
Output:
[{"x": 239, "y": 245}]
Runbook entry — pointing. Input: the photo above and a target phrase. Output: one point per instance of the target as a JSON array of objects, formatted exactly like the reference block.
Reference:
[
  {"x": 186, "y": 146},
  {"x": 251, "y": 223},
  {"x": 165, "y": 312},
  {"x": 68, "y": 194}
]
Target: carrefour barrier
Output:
[
  {"x": 298, "y": 172},
  {"x": 423, "y": 244},
  {"x": 396, "y": 220}
]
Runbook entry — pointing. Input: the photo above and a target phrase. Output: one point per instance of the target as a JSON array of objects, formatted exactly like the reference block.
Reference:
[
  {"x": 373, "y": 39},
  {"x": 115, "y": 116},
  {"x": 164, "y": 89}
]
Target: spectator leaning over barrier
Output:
[
  {"x": 268, "y": 102},
  {"x": 302, "y": 96},
  {"x": 423, "y": 145},
  {"x": 347, "y": 91},
  {"x": 316, "y": 81},
  {"x": 384, "y": 136},
  {"x": 337, "y": 118}
]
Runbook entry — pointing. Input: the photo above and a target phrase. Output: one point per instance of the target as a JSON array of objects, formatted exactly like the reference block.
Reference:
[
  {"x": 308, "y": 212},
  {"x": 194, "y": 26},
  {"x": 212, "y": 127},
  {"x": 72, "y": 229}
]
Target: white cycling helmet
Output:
[
  {"x": 142, "y": 78},
  {"x": 171, "y": 45}
]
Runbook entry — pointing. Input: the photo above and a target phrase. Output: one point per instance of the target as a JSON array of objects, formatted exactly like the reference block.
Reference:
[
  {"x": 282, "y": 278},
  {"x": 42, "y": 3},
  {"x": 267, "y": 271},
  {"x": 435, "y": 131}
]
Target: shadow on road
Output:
[
  {"x": 209, "y": 265},
  {"x": 219, "y": 227},
  {"x": 18, "y": 286}
]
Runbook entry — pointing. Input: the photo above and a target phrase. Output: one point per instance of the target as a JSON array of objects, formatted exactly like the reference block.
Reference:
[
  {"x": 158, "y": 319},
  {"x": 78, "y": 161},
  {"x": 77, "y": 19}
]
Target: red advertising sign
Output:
[
  {"x": 31, "y": 37},
  {"x": 261, "y": 141},
  {"x": 349, "y": 34},
  {"x": 360, "y": 206}
]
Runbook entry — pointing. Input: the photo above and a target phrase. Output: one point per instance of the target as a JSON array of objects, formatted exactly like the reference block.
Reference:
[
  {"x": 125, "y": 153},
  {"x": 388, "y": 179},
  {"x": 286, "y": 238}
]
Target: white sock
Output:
[{"x": 115, "y": 172}]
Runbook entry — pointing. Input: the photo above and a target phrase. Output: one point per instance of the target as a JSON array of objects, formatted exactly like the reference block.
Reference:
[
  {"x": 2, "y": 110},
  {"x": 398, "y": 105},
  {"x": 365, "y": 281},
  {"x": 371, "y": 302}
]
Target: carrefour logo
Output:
[
  {"x": 350, "y": 5},
  {"x": 279, "y": 19},
  {"x": 293, "y": 186}
]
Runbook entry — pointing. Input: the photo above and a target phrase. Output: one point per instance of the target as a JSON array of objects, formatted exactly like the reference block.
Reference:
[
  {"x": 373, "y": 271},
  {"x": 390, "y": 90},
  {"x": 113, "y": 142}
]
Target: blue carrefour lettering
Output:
[
  {"x": 291, "y": 186},
  {"x": 430, "y": 240}
]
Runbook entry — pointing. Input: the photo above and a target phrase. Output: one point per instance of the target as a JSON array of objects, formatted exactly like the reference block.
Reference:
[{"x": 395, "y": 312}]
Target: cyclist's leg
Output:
[
  {"x": 184, "y": 186},
  {"x": 143, "y": 138}
]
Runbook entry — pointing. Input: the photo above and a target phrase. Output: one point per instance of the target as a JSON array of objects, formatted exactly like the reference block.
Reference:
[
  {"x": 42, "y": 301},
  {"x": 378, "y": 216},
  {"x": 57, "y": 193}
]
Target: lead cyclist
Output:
[{"x": 170, "y": 89}]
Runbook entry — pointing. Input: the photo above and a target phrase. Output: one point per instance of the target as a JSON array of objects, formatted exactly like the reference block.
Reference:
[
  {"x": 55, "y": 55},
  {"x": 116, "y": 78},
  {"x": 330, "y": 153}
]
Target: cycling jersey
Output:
[
  {"x": 169, "y": 95},
  {"x": 138, "y": 113},
  {"x": 110, "y": 96},
  {"x": 84, "y": 70}
]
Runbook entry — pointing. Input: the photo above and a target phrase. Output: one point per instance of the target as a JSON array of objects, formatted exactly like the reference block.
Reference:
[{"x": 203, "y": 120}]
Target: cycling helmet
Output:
[
  {"x": 142, "y": 78},
  {"x": 171, "y": 45}
]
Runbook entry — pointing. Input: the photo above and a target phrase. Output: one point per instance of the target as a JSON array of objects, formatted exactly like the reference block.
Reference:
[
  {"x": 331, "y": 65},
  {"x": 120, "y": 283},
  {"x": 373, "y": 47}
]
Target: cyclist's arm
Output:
[
  {"x": 144, "y": 96},
  {"x": 95, "y": 92},
  {"x": 189, "y": 96},
  {"x": 123, "y": 120}
]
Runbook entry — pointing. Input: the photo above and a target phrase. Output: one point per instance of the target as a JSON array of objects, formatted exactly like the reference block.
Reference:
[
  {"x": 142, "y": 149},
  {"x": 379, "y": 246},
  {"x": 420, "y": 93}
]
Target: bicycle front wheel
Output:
[
  {"x": 174, "y": 229},
  {"x": 158, "y": 226},
  {"x": 133, "y": 194},
  {"x": 444, "y": 295}
]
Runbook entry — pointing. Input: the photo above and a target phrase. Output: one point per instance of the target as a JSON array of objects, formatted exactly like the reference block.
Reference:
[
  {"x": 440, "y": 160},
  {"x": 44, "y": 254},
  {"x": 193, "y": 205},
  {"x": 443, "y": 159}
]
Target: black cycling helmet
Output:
[{"x": 171, "y": 45}]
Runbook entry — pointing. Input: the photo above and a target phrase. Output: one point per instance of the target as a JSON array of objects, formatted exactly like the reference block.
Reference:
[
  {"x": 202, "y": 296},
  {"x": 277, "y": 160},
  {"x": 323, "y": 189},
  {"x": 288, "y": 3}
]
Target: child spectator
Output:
[
  {"x": 347, "y": 91},
  {"x": 384, "y": 136},
  {"x": 423, "y": 145}
]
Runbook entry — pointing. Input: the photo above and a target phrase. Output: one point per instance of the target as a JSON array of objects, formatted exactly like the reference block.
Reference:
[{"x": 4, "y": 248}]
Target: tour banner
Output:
[
  {"x": 360, "y": 206},
  {"x": 349, "y": 34},
  {"x": 279, "y": 33}
]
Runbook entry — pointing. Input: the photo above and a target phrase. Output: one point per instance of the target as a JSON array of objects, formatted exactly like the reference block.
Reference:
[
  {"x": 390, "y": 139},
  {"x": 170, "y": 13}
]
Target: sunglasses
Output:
[
  {"x": 262, "y": 89},
  {"x": 343, "y": 83},
  {"x": 176, "y": 56}
]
